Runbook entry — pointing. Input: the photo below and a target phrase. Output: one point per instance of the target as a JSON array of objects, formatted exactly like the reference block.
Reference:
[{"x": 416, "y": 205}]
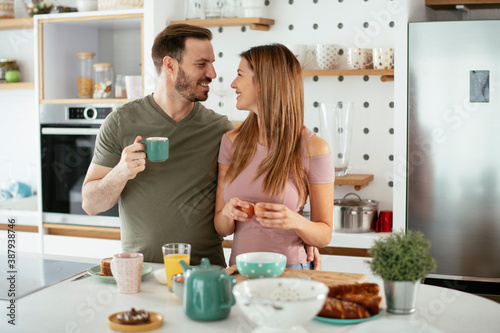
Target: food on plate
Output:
[
  {"x": 352, "y": 301},
  {"x": 133, "y": 317},
  {"x": 336, "y": 308},
  {"x": 249, "y": 211},
  {"x": 340, "y": 290},
  {"x": 106, "y": 267}
]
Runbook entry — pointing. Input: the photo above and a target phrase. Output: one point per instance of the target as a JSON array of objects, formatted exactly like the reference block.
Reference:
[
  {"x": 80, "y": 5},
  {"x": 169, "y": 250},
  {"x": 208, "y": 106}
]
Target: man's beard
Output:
[{"x": 187, "y": 89}]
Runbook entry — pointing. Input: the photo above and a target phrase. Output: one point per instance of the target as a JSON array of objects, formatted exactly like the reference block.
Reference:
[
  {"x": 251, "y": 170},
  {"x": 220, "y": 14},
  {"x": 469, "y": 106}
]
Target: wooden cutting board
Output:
[{"x": 328, "y": 278}]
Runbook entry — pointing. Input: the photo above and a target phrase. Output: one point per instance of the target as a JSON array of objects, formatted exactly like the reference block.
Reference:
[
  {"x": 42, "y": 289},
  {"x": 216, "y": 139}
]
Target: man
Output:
[{"x": 171, "y": 201}]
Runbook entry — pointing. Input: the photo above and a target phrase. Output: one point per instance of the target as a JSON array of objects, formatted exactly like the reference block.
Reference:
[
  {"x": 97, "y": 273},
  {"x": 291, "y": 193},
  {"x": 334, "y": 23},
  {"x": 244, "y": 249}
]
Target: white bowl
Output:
[
  {"x": 280, "y": 304},
  {"x": 161, "y": 276},
  {"x": 86, "y": 5}
]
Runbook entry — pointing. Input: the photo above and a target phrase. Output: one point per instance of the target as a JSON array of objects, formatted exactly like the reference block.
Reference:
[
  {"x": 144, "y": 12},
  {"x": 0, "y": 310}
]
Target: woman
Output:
[{"x": 274, "y": 161}]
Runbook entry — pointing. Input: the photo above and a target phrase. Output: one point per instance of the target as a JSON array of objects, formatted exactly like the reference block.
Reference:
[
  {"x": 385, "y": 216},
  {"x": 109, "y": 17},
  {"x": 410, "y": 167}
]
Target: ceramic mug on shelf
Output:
[
  {"x": 328, "y": 55},
  {"x": 303, "y": 53},
  {"x": 384, "y": 222},
  {"x": 358, "y": 58},
  {"x": 383, "y": 58}
]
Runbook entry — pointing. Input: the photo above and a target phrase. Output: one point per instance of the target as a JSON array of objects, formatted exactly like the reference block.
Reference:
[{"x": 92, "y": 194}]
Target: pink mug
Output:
[
  {"x": 384, "y": 222},
  {"x": 127, "y": 271}
]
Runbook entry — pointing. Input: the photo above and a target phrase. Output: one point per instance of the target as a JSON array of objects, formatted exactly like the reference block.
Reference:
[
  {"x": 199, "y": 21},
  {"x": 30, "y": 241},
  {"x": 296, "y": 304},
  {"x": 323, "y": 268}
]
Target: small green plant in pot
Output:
[{"x": 402, "y": 261}]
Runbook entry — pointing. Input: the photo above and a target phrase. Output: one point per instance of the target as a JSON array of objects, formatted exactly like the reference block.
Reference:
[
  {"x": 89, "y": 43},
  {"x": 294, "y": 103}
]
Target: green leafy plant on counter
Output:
[{"x": 402, "y": 257}]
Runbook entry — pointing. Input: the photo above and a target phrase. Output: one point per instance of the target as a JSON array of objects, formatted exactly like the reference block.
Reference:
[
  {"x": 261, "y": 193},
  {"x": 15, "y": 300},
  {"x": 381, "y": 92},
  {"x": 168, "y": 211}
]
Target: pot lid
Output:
[{"x": 355, "y": 202}]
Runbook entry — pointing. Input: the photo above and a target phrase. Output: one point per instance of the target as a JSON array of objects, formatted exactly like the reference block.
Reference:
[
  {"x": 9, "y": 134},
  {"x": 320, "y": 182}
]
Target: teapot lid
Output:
[{"x": 205, "y": 267}]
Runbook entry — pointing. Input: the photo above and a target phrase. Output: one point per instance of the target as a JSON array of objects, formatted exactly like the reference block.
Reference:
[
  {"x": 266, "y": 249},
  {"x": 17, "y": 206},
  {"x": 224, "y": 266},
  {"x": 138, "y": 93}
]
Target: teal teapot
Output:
[{"x": 207, "y": 291}]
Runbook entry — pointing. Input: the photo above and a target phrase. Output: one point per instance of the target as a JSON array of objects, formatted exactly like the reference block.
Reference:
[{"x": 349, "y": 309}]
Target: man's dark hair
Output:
[{"x": 172, "y": 41}]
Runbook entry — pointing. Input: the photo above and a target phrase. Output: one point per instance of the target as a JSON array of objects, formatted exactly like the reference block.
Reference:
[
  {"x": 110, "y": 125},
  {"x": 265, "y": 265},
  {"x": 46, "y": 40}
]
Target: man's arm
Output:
[{"x": 102, "y": 185}]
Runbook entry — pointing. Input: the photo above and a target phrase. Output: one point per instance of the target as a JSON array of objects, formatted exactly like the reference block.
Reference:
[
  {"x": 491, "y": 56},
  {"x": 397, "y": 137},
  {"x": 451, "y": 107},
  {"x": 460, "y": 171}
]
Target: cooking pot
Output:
[{"x": 354, "y": 215}]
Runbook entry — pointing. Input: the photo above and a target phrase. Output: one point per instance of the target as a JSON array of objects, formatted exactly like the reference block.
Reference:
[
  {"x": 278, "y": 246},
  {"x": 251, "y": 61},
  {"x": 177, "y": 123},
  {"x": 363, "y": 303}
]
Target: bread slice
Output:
[{"x": 106, "y": 267}]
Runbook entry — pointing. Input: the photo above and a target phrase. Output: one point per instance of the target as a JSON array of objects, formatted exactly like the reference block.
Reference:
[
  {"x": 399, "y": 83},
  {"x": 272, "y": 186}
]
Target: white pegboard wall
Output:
[{"x": 350, "y": 23}]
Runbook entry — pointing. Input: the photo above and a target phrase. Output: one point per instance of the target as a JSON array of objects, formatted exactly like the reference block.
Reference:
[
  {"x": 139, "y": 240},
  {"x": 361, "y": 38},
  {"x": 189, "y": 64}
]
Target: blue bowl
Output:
[{"x": 255, "y": 265}]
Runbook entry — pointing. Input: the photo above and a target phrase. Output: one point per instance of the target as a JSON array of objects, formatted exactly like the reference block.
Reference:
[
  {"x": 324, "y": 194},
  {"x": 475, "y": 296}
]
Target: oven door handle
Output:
[{"x": 69, "y": 131}]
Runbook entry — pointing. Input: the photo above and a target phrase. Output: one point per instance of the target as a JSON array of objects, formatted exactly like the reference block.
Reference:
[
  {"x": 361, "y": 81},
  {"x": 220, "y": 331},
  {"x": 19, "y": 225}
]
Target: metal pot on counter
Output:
[{"x": 354, "y": 215}]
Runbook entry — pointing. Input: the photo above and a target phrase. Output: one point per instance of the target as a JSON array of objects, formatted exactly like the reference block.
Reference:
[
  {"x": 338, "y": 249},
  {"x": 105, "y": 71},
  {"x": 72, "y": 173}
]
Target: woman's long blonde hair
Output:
[{"x": 278, "y": 79}]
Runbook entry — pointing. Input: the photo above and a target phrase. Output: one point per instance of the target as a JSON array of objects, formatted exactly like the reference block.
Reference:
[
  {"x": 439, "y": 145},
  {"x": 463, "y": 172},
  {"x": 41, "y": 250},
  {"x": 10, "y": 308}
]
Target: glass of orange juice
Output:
[{"x": 172, "y": 254}]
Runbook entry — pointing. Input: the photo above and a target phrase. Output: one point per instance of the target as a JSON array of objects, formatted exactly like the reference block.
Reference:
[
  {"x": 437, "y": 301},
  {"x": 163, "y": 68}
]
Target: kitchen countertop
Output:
[{"x": 84, "y": 306}]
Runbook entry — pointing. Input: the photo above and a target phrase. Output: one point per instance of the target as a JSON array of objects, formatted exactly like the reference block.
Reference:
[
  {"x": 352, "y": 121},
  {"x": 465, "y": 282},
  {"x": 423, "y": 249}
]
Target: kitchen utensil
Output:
[
  {"x": 133, "y": 84},
  {"x": 304, "y": 54},
  {"x": 336, "y": 128},
  {"x": 358, "y": 58},
  {"x": 337, "y": 321},
  {"x": 280, "y": 304},
  {"x": 354, "y": 215},
  {"x": 83, "y": 276},
  {"x": 173, "y": 253},
  {"x": 119, "y": 4},
  {"x": 103, "y": 80},
  {"x": 214, "y": 9},
  {"x": 207, "y": 291},
  {"x": 6, "y": 9},
  {"x": 127, "y": 271},
  {"x": 195, "y": 10},
  {"x": 383, "y": 58},
  {"x": 86, "y": 5},
  {"x": 156, "y": 148},
  {"x": 155, "y": 321},
  {"x": 178, "y": 285},
  {"x": 85, "y": 81},
  {"x": 384, "y": 222},
  {"x": 328, "y": 55},
  {"x": 254, "y": 265},
  {"x": 95, "y": 270}
]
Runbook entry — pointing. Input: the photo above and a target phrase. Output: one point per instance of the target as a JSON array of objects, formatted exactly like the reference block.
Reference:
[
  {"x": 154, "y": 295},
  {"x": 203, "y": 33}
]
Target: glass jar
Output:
[
  {"x": 120, "y": 88},
  {"x": 85, "y": 81},
  {"x": 7, "y": 65},
  {"x": 103, "y": 80}
]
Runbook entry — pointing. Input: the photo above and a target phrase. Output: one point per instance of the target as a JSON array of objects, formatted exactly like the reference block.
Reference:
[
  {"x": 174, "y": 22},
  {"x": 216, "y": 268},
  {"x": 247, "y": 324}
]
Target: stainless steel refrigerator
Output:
[{"x": 454, "y": 149}]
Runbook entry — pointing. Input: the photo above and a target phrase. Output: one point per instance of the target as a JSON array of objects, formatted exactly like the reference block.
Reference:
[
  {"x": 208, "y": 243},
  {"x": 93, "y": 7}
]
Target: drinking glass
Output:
[
  {"x": 336, "y": 129},
  {"x": 172, "y": 254}
]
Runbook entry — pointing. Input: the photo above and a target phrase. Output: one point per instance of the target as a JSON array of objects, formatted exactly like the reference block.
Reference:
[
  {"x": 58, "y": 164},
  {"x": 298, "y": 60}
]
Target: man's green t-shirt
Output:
[{"x": 171, "y": 201}]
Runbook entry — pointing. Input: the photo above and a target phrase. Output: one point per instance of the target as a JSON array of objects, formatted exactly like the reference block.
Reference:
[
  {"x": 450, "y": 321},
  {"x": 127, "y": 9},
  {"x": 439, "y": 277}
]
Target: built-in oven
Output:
[{"x": 68, "y": 134}]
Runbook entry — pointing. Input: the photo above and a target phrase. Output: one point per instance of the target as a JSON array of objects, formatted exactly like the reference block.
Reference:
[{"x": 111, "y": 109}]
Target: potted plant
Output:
[{"x": 402, "y": 261}]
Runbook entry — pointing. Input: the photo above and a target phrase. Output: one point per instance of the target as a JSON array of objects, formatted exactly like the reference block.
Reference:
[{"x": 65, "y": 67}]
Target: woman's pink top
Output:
[{"x": 252, "y": 236}]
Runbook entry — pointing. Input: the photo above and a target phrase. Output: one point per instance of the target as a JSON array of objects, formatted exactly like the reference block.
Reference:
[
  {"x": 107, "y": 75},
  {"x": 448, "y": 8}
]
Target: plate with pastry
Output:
[
  {"x": 135, "y": 320},
  {"x": 103, "y": 271},
  {"x": 351, "y": 304}
]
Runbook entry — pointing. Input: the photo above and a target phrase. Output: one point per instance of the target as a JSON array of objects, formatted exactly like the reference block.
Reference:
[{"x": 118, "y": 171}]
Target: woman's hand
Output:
[
  {"x": 237, "y": 209},
  {"x": 277, "y": 216}
]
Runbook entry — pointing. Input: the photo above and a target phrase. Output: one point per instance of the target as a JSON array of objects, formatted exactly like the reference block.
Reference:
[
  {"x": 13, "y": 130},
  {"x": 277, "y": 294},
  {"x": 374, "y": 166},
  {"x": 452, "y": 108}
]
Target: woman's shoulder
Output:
[
  {"x": 317, "y": 146},
  {"x": 231, "y": 135}
]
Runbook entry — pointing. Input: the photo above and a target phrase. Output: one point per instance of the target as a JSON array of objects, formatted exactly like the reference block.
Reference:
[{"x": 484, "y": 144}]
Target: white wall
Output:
[{"x": 337, "y": 22}]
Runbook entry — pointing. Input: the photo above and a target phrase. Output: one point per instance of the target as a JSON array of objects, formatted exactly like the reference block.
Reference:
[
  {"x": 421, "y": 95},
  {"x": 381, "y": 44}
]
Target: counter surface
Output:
[{"x": 84, "y": 306}]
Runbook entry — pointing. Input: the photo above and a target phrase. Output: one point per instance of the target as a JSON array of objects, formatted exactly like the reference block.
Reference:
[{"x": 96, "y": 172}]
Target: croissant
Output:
[
  {"x": 335, "y": 308},
  {"x": 352, "y": 301}
]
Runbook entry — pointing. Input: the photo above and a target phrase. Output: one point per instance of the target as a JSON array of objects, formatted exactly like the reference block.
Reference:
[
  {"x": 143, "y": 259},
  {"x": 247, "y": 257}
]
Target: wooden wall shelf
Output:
[
  {"x": 386, "y": 74},
  {"x": 255, "y": 23},
  {"x": 471, "y": 3},
  {"x": 86, "y": 101},
  {"x": 16, "y": 23},
  {"x": 17, "y": 85},
  {"x": 358, "y": 180}
]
